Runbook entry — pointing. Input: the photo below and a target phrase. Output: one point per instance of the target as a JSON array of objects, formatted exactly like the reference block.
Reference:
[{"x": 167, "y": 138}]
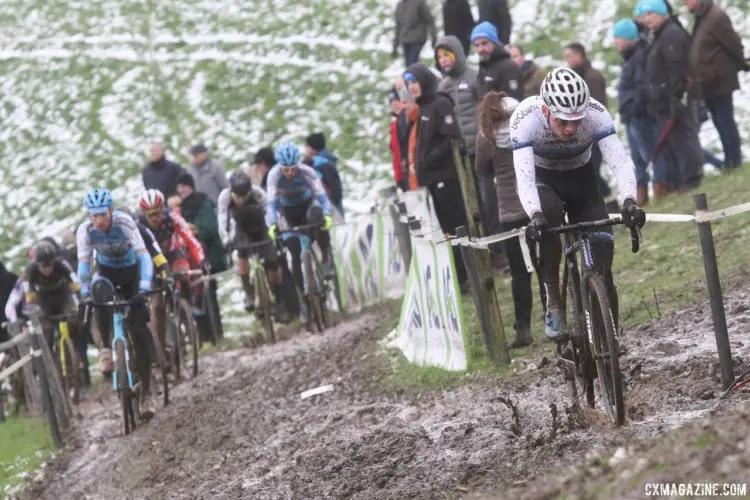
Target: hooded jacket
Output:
[
  {"x": 631, "y": 88},
  {"x": 210, "y": 179},
  {"x": 458, "y": 20},
  {"x": 197, "y": 209},
  {"x": 595, "y": 80},
  {"x": 162, "y": 175},
  {"x": 436, "y": 127},
  {"x": 461, "y": 84},
  {"x": 667, "y": 69},
  {"x": 501, "y": 74}
]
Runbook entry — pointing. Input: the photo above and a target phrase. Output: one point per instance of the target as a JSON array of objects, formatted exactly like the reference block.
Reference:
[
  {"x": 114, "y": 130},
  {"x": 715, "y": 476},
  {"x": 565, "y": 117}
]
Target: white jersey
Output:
[{"x": 536, "y": 145}]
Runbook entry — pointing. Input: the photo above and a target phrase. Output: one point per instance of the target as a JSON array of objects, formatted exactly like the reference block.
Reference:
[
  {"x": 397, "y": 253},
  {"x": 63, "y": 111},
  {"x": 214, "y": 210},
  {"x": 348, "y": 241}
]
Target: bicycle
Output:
[
  {"x": 124, "y": 379},
  {"x": 262, "y": 286},
  {"x": 315, "y": 286},
  {"x": 67, "y": 360},
  {"x": 595, "y": 354},
  {"x": 182, "y": 331}
]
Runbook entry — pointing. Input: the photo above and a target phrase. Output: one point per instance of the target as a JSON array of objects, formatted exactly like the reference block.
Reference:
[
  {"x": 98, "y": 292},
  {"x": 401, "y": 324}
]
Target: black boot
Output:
[{"x": 523, "y": 336}]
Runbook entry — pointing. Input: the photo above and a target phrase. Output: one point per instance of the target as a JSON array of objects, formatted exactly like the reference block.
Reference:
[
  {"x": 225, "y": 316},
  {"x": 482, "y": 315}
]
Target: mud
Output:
[{"x": 241, "y": 430}]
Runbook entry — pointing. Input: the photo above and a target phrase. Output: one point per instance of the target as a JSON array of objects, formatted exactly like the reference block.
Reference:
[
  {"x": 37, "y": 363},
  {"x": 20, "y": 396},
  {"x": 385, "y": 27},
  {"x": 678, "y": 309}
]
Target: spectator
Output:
[
  {"x": 264, "y": 160},
  {"x": 324, "y": 162},
  {"x": 200, "y": 214},
  {"x": 716, "y": 56},
  {"x": 434, "y": 166},
  {"x": 497, "y": 13},
  {"x": 396, "y": 107},
  {"x": 531, "y": 74},
  {"x": 497, "y": 71},
  {"x": 406, "y": 121},
  {"x": 575, "y": 57},
  {"x": 8, "y": 280},
  {"x": 667, "y": 69},
  {"x": 493, "y": 116},
  {"x": 414, "y": 22},
  {"x": 160, "y": 173},
  {"x": 458, "y": 21},
  {"x": 209, "y": 176},
  {"x": 631, "y": 105}
]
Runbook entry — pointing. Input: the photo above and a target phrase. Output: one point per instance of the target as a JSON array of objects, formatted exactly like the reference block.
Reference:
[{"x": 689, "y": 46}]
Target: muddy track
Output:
[{"x": 241, "y": 429}]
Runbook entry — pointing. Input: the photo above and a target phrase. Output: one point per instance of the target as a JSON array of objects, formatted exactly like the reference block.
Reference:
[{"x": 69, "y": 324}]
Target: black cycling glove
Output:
[
  {"x": 632, "y": 214},
  {"x": 536, "y": 229}
]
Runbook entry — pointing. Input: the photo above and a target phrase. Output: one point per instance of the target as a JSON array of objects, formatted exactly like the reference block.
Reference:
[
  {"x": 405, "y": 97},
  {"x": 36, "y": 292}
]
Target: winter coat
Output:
[
  {"x": 531, "y": 78},
  {"x": 667, "y": 69},
  {"x": 329, "y": 176},
  {"x": 7, "y": 282},
  {"x": 497, "y": 12},
  {"x": 436, "y": 127},
  {"x": 414, "y": 22},
  {"x": 501, "y": 74},
  {"x": 198, "y": 210},
  {"x": 595, "y": 80},
  {"x": 210, "y": 179},
  {"x": 412, "y": 146},
  {"x": 631, "y": 88},
  {"x": 716, "y": 52},
  {"x": 458, "y": 21},
  {"x": 398, "y": 168},
  {"x": 461, "y": 84},
  {"x": 162, "y": 175}
]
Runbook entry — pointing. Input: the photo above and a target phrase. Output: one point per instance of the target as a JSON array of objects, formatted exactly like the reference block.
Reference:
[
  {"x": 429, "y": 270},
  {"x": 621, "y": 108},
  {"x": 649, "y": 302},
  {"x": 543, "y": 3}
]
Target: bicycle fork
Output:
[{"x": 117, "y": 329}]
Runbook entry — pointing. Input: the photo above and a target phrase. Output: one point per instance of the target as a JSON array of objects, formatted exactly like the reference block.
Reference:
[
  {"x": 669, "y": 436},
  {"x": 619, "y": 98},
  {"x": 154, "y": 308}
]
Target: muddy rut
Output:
[{"x": 241, "y": 430}]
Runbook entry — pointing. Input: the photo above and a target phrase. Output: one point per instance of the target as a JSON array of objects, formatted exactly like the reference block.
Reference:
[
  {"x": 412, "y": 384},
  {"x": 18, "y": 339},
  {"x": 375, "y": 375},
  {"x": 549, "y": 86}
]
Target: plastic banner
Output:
[{"x": 419, "y": 204}]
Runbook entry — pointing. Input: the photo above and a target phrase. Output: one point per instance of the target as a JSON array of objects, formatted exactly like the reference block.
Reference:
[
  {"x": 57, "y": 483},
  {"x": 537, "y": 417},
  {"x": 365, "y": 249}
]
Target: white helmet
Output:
[
  {"x": 151, "y": 199},
  {"x": 566, "y": 94}
]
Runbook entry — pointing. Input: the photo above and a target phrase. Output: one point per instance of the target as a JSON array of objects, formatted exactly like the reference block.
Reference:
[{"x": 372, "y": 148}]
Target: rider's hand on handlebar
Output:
[
  {"x": 536, "y": 229},
  {"x": 206, "y": 267},
  {"x": 328, "y": 223},
  {"x": 139, "y": 299},
  {"x": 632, "y": 215},
  {"x": 272, "y": 231}
]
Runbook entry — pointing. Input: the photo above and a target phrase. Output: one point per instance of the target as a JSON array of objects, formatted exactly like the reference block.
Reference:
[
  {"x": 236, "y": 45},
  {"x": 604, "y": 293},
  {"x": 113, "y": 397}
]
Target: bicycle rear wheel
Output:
[
  {"x": 212, "y": 311},
  {"x": 174, "y": 340},
  {"x": 585, "y": 369},
  {"x": 161, "y": 360},
  {"x": 313, "y": 294},
  {"x": 187, "y": 330},
  {"x": 126, "y": 400},
  {"x": 605, "y": 349},
  {"x": 74, "y": 378},
  {"x": 264, "y": 297}
]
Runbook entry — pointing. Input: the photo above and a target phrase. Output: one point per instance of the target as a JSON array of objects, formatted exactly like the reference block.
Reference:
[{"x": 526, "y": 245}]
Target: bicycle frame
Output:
[
  {"x": 306, "y": 245},
  {"x": 121, "y": 308}
]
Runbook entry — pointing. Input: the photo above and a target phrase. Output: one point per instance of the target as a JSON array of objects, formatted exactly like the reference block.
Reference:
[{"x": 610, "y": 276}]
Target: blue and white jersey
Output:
[
  {"x": 536, "y": 145},
  {"x": 120, "y": 246},
  {"x": 300, "y": 190}
]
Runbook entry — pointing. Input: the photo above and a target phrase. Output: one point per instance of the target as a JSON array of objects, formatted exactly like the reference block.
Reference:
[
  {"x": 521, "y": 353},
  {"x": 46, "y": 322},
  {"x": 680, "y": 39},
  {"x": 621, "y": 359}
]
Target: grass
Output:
[{"x": 25, "y": 445}]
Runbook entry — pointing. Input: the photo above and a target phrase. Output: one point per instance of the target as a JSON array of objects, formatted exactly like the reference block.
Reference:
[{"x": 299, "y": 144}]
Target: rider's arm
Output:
[
  {"x": 67, "y": 270},
  {"x": 145, "y": 266},
  {"x": 15, "y": 298},
  {"x": 226, "y": 223},
  {"x": 317, "y": 187},
  {"x": 186, "y": 235},
  {"x": 84, "y": 256},
  {"x": 523, "y": 162},
  {"x": 613, "y": 153},
  {"x": 272, "y": 205},
  {"x": 157, "y": 257}
]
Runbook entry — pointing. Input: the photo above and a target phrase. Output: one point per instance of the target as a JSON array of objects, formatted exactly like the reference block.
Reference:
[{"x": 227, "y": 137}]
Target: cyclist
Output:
[
  {"x": 182, "y": 250},
  {"x": 296, "y": 193},
  {"x": 552, "y": 135},
  {"x": 123, "y": 261},
  {"x": 241, "y": 217},
  {"x": 51, "y": 284}
]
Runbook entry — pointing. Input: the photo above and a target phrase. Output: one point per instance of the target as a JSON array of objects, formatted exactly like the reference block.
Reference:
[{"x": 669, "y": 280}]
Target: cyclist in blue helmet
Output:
[
  {"x": 296, "y": 194},
  {"x": 122, "y": 260}
]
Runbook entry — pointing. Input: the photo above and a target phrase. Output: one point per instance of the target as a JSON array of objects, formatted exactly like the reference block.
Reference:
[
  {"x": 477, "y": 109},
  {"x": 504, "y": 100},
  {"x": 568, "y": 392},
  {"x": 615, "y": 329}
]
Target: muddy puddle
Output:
[{"x": 241, "y": 430}]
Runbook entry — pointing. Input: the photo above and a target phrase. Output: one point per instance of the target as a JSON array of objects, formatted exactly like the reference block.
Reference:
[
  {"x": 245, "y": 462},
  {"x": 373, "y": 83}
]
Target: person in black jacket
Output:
[
  {"x": 458, "y": 21},
  {"x": 667, "y": 83},
  {"x": 434, "y": 164},
  {"x": 263, "y": 162},
  {"x": 497, "y": 13},
  {"x": 161, "y": 173},
  {"x": 7, "y": 282},
  {"x": 497, "y": 71}
]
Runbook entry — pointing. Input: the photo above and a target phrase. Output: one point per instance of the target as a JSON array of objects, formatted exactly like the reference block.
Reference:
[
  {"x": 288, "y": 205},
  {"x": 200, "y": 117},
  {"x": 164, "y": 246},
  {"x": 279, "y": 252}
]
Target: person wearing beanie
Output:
[
  {"x": 263, "y": 162},
  {"x": 497, "y": 13},
  {"x": 324, "y": 163},
  {"x": 497, "y": 71},
  {"x": 458, "y": 21},
  {"x": 435, "y": 169},
  {"x": 667, "y": 78},
  {"x": 631, "y": 105},
  {"x": 414, "y": 22}
]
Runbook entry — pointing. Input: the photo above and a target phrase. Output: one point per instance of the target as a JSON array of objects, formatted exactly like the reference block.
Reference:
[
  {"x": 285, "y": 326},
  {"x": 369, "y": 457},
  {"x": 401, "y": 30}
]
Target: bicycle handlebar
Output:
[
  {"x": 301, "y": 229},
  {"x": 635, "y": 232}
]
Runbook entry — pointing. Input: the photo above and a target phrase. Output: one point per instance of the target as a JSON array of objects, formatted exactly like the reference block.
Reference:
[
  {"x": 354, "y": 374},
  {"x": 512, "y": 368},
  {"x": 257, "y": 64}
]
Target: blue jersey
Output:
[
  {"x": 300, "y": 190},
  {"x": 120, "y": 246}
]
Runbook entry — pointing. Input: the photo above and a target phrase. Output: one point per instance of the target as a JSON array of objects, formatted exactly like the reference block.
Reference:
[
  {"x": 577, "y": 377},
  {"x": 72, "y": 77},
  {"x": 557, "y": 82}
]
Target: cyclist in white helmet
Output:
[{"x": 552, "y": 135}]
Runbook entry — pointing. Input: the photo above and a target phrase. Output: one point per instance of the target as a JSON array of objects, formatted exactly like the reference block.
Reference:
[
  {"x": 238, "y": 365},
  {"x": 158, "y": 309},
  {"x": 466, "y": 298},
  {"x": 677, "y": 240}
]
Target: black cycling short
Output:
[
  {"x": 266, "y": 252},
  {"x": 575, "y": 191}
]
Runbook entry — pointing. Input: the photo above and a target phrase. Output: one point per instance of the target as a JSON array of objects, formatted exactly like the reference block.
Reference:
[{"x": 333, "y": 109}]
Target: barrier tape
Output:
[{"x": 12, "y": 342}]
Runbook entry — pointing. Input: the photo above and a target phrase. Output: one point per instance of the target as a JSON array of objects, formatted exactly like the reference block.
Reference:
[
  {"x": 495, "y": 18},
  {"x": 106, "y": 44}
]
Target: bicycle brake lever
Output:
[{"x": 635, "y": 239}]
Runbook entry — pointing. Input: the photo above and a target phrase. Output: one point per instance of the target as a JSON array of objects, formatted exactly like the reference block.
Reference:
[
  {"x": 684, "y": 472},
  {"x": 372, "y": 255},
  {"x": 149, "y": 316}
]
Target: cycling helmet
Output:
[
  {"x": 98, "y": 200},
  {"x": 240, "y": 183},
  {"x": 287, "y": 154},
  {"x": 44, "y": 252},
  {"x": 151, "y": 199},
  {"x": 565, "y": 94}
]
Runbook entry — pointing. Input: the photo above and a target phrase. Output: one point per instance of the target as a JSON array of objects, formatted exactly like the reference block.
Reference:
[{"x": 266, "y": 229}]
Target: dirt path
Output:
[{"x": 241, "y": 429}]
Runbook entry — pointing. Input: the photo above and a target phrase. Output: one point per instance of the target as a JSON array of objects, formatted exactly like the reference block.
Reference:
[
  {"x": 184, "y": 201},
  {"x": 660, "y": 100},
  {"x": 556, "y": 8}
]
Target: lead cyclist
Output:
[{"x": 552, "y": 135}]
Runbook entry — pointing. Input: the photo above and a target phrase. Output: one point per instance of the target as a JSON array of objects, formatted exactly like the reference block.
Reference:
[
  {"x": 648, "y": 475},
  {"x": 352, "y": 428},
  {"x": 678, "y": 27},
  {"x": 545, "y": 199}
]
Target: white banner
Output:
[
  {"x": 393, "y": 267},
  {"x": 419, "y": 204}
]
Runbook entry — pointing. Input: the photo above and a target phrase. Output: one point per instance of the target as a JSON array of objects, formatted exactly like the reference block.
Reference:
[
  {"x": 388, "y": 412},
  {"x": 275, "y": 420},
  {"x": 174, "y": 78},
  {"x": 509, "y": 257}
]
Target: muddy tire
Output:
[
  {"x": 74, "y": 379},
  {"x": 605, "y": 349},
  {"x": 161, "y": 361},
  {"x": 126, "y": 396},
  {"x": 264, "y": 297},
  {"x": 576, "y": 322},
  {"x": 187, "y": 331},
  {"x": 313, "y": 294}
]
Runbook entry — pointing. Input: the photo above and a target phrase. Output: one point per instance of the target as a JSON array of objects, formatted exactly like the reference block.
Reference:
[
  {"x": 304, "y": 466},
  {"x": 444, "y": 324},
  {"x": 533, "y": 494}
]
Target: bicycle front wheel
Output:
[
  {"x": 313, "y": 293},
  {"x": 161, "y": 361},
  {"x": 605, "y": 348},
  {"x": 74, "y": 378},
  {"x": 264, "y": 297},
  {"x": 187, "y": 330},
  {"x": 126, "y": 401}
]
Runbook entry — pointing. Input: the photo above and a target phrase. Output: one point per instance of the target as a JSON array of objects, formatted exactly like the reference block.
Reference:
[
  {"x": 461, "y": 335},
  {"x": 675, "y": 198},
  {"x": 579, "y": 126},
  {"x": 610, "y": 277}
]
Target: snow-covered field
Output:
[{"x": 86, "y": 86}]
